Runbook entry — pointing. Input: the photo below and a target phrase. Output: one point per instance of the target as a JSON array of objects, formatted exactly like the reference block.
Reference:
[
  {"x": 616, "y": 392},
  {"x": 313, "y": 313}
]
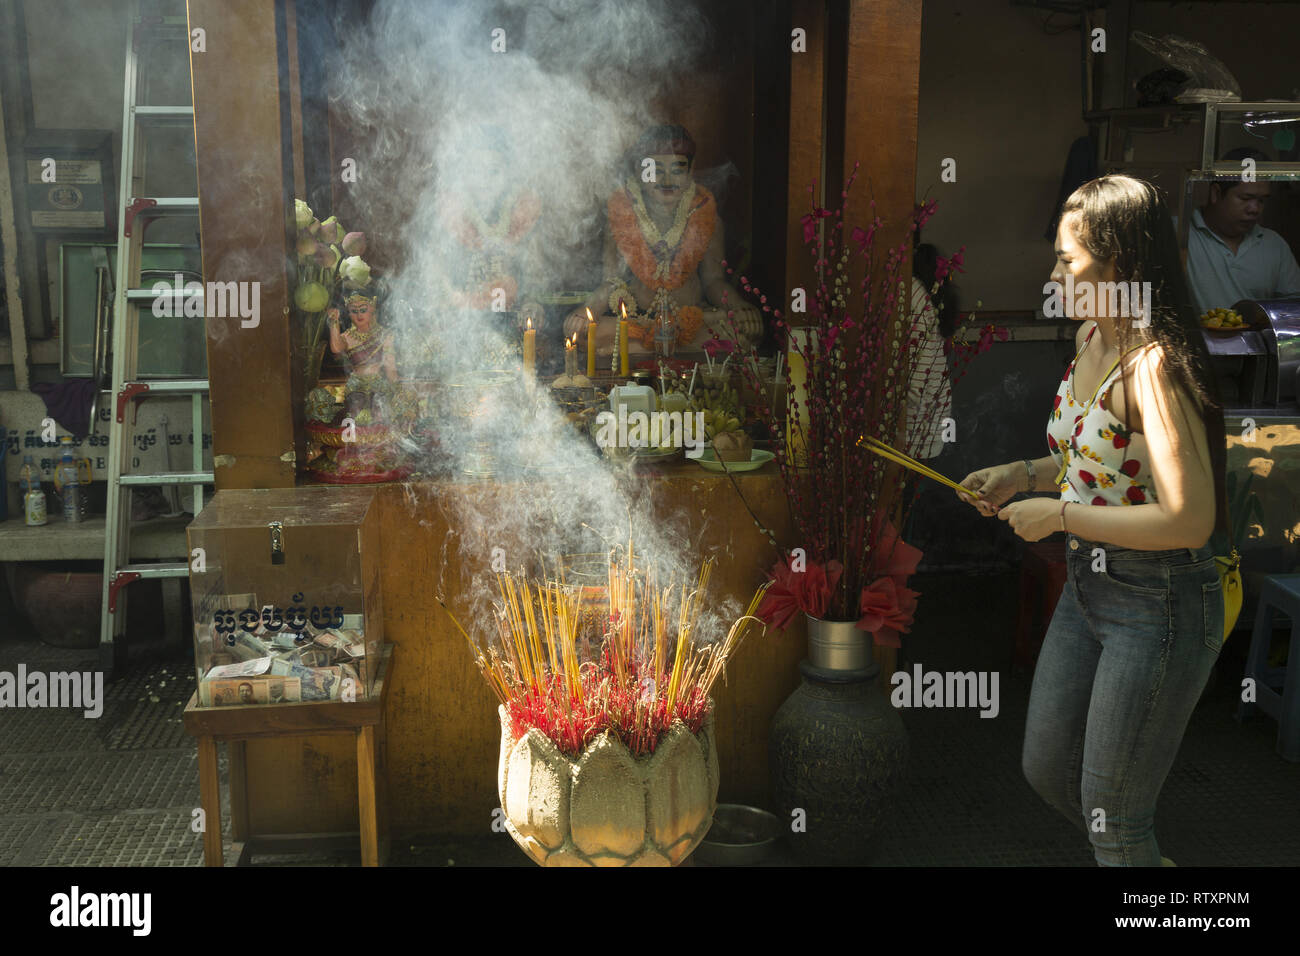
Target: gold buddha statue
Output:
[{"x": 663, "y": 253}]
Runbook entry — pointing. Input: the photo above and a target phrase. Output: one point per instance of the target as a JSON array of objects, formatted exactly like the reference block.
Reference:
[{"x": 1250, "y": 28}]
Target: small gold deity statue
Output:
[
  {"x": 360, "y": 443},
  {"x": 367, "y": 350}
]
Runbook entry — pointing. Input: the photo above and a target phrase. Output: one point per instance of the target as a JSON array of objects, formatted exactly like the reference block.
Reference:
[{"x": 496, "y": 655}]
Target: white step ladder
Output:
[{"x": 127, "y": 384}]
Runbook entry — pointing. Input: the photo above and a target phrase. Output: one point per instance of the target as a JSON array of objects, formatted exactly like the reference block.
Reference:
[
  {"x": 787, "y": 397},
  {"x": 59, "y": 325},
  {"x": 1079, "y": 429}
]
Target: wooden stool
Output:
[
  {"x": 1042, "y": 578},
  {"x": 363, "y": 718}
]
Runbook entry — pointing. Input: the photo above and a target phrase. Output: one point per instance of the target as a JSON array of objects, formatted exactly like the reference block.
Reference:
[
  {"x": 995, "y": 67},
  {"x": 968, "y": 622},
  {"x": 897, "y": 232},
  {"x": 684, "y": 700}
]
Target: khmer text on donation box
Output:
[{"x": 285, "y": 592}]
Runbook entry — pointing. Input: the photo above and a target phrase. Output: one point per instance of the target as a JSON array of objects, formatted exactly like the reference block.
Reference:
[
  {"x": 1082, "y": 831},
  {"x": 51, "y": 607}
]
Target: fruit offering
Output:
[{"x": 1223, "y": 319}]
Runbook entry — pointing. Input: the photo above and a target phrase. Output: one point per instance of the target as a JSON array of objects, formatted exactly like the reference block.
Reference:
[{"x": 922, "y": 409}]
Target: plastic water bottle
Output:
[
  {"x": 29, "y": 483},
  {"x": 73, "y": 493}
]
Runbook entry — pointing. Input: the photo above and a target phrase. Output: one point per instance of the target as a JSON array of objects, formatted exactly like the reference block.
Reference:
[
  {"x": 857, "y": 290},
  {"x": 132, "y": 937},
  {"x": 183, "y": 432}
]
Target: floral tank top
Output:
[{"x": 1103, "y": 463}]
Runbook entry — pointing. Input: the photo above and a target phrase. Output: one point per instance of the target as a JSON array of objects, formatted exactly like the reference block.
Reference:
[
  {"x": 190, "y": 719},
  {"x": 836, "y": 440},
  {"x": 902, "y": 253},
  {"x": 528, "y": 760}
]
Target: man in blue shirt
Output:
[{"x": 1230, "y": 256}]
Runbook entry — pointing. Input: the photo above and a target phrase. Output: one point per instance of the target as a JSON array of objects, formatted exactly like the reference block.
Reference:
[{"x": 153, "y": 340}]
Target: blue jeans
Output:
[{"x": 1123, "y": 664}]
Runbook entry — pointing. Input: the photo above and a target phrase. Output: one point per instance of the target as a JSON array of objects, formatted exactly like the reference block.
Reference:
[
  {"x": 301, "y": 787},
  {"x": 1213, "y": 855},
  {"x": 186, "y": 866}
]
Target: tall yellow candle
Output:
[
  {"x": 591, "y": 345},
  {"x": 796, "y": 426},
  {"x": 622, "y": 342},
  {"x": 530, "y": 348}
]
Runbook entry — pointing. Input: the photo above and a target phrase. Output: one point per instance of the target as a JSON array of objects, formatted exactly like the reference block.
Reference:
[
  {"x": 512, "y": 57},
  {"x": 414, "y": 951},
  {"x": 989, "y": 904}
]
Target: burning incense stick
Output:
[
  {"x": 884, "y": 451},
  {"x": 652, "y": 669}
]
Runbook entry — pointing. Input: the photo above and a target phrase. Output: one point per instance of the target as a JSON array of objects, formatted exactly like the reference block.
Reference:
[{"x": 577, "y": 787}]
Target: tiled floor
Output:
[{"x": 121, "y": 789}]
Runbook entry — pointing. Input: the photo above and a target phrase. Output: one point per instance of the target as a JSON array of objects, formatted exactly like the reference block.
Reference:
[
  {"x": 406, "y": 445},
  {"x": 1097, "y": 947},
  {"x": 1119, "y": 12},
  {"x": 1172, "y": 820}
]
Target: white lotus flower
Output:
[{"x": 355, "y": 270}]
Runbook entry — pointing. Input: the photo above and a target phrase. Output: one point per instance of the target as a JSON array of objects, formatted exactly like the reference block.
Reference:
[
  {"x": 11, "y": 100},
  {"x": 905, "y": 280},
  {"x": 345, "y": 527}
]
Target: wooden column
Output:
[
  {"x": 881, "y": 89},
  {"x": 807, "y": 135},
  {"x": 238, "y": 123},
  {"x": 853, "y": 100}
]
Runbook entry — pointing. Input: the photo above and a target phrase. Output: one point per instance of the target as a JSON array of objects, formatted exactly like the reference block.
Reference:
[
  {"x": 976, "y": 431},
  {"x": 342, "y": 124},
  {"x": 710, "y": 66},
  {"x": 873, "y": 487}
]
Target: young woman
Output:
[{"x": 1139, "y": 450}]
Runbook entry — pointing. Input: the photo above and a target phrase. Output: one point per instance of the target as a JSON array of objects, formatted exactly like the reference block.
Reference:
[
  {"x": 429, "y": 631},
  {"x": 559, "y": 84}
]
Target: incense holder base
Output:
[{"x": 607, "y": 807}]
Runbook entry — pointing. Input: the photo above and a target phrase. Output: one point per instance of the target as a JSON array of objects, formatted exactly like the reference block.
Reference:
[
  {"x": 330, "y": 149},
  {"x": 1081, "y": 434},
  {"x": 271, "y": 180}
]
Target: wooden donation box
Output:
[{"x": 288, "y": 641}]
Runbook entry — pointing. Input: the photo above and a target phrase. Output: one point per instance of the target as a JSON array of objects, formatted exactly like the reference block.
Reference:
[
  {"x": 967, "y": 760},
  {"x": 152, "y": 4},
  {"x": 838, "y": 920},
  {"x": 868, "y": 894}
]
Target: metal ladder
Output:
[{"x": 127, "y": 384}]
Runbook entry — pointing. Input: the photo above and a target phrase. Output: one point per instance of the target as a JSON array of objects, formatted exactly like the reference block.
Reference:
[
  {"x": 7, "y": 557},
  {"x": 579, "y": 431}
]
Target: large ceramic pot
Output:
[
  {"x": 837, "y": 750},
  {"x": 606, "y": 807}
]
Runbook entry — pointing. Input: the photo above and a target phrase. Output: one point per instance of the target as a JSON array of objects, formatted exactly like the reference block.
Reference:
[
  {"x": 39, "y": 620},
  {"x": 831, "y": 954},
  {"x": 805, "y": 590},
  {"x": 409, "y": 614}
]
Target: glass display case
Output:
[{"x": 285, "y": 594}]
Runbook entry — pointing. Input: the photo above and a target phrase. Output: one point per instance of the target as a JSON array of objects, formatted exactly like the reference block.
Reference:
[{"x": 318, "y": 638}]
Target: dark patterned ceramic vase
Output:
[{"x": 837, "y": 750}]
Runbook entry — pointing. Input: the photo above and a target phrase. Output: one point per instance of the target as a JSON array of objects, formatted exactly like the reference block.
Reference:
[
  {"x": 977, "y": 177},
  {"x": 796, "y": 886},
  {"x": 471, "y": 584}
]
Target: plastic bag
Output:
[{"x": 1206, "y": 74}]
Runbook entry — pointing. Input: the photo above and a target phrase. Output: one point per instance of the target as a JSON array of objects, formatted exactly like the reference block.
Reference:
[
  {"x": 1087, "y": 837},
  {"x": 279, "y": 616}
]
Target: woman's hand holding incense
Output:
[{"x": 993, "y": 487}]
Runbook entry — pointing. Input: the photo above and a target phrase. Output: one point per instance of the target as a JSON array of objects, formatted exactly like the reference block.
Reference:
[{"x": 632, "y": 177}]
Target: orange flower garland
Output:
[{"x": 641, "y": 258}]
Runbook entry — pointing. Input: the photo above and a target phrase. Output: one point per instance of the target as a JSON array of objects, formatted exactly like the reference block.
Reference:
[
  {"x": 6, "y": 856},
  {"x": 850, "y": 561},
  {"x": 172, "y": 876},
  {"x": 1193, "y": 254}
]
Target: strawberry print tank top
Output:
[{"x": 1104, "y": 464}]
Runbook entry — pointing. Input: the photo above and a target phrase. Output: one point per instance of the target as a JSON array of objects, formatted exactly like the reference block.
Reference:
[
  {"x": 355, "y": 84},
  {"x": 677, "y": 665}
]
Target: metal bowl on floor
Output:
[{"x": 740, "y": 836}]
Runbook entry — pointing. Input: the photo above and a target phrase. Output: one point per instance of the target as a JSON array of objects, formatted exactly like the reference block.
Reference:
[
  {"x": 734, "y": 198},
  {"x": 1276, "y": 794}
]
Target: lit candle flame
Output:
[
  {"x": 571, "y": 342},
  {"x": 530, "y": 322},
  {"x": 589, "y": 316},
  {"x": 622, "y": 308}
]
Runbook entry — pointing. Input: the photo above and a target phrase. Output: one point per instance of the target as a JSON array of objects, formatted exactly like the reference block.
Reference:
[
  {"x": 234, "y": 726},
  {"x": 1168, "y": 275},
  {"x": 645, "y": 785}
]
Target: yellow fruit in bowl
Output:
[{"x": 1222, "y": 319}]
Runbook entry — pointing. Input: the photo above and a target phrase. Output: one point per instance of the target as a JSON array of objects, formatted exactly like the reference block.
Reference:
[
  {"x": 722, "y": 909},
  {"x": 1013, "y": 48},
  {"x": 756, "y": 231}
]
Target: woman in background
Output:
[
  {"x": 929, "y": 390},
  {"x": 934, "y": 317},
  {"x": 1137, "y": 444}
]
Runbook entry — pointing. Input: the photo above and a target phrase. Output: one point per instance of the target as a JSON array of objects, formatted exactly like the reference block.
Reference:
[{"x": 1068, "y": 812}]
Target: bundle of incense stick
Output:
[
  {"x": 884, "y": 451},
  {"x": 651, "y": 670}
]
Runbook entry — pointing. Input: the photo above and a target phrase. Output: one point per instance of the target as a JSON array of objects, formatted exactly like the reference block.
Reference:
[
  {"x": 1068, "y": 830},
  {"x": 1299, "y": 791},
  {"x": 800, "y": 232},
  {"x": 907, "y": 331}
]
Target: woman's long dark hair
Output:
[
  {"x": 925, "y": 266},
  {"x": 1124, "y": 220}
]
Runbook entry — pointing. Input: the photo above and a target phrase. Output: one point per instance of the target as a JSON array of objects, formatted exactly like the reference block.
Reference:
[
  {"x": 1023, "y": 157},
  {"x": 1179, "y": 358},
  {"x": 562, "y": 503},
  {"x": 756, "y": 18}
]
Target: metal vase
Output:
[
  {"x": 838, "y": 646},
  {"x": 837, "y": 751}
]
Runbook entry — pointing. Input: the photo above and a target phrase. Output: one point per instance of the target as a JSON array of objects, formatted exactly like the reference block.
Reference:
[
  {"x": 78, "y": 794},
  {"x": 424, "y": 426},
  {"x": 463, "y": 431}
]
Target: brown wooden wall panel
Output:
[{"x": 243, "y": 221}]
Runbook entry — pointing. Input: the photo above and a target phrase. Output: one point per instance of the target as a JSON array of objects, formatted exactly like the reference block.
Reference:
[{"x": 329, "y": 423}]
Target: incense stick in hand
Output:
[{"x": 884, "y": 451}]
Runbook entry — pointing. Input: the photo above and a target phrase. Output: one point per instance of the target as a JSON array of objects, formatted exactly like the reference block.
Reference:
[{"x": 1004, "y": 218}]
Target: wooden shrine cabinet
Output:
[{"x": 785, "y": 95}]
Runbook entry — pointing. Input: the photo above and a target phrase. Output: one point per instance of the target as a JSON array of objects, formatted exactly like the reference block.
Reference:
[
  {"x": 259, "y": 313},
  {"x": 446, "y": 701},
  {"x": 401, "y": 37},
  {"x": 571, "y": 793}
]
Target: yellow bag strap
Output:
[
  {"x": 1087, "y": 409},
  {"x": 1105, "y": 378}
]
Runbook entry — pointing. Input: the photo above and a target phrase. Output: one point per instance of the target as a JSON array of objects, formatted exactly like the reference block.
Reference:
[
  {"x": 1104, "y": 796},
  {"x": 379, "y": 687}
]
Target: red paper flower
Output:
[
  {"x": 887, "y": 604},
  {"x": 793, "y": 591},
  {"x": 895, "y": 557},
  {"x": 862, "y": 236},
  {"x": 887, "y": 608},
  {"x": 988, "y": 334},
  {"x": 810, "y": 223}
]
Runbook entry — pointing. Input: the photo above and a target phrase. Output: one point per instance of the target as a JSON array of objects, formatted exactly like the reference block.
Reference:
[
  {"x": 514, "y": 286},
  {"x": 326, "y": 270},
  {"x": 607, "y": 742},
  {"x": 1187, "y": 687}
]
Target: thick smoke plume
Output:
[{"x": 453, "y": 123}]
